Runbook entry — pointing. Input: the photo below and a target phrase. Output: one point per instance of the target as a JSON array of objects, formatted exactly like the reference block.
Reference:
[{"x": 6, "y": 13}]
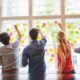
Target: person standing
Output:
[
  {"x": 65, "y": 66},
  {"x": 9, "y": 55},
  {"x": 33, "y": 55}
]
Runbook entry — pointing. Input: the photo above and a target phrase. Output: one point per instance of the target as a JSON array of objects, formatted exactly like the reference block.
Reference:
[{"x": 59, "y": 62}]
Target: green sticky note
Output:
[{"x": 8, "y": 29}]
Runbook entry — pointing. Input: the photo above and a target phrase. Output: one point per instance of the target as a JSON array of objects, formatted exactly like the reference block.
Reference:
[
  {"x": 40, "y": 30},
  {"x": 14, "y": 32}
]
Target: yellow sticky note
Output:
[
  {"x": 51, "y": 60},
  {"x": 39, "y": 37},
  {"x": 17, "y": 24},
  {"x": 11, "y": 39},
  {"x": 51, "y": 50},
  {"x": 69, "y": 26},
  {"x": 75, "y": 41},
  {"x": 22, "y": 42}
]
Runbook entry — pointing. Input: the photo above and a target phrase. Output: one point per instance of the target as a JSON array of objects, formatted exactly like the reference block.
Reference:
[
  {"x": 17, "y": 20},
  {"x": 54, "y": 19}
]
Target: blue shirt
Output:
[{"x": 35, "y": 53}]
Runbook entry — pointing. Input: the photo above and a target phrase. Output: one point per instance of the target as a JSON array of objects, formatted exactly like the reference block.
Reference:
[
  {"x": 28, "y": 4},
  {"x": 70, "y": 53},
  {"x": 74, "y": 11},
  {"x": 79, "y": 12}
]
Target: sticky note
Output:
[{"x": 51, "y": 59}]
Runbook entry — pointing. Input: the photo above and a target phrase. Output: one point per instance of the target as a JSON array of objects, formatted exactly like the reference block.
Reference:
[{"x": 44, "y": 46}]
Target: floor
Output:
[
  {"x": 23, "y": 75},
  {"x": 51, "y": 73},
  {"x": 48, "y": 77}
]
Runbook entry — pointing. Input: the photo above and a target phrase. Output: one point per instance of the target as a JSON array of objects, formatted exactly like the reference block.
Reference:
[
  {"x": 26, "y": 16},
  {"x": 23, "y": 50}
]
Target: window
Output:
[
  {"x": 73, "y": 30},
  {"x": 72, "y": 6},
  {"x": 23, "y": 28},
  {"x": 14, "y": 8},
  {"x": 46, "y": 7},
  {"x": 50, "y": 27},
  {"x": 42, "y": 14}
]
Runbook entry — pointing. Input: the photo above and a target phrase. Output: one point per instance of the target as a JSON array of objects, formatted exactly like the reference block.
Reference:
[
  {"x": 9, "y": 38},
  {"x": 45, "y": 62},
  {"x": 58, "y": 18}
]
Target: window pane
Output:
[
  {"x": 23, "y": 27},
  {"x": 73, "y": 32},
  {"x": 46, "y": 7},
  {"x": 49, "y": 29},
  {"x": 15, "y": 8},
  {"x": 72, "y": 6}
]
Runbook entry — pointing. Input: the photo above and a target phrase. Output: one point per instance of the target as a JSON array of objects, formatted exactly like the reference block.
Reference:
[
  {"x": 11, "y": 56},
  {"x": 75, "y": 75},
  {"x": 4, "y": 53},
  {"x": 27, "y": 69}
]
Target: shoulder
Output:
[
  {"x": 26, "y": 48},
  {"x": 5, "y": 49},
  {"x": 2, "y": 48},
  {"x": 15, "y": 44}
]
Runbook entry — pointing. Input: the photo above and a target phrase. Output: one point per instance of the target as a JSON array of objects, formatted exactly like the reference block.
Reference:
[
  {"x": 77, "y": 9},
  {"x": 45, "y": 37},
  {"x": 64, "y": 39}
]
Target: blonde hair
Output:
[
  {"x": 63, "y": 42},
  {"x": 61, "y": 35}
]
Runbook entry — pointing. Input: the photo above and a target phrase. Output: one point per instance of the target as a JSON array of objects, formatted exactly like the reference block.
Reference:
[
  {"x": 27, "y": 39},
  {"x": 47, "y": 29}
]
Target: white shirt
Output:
[{"x": 10, "y": 55}]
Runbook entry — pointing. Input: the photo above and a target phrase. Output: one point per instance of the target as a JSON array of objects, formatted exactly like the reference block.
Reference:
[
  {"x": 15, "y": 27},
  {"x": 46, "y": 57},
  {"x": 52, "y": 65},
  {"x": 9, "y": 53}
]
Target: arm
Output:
[
  {"x": 43, "y": 40},
  {"x": 25, "y": 57},
  {"x": 77, "y": 50},
  {"x": 59, "y": 24},
  {"x": 19, "y": 34},
  {"x": 40, "y": 33}
]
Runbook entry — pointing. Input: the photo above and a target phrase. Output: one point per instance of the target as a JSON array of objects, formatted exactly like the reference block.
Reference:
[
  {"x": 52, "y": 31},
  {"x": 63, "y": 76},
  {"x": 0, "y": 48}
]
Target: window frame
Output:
[{"x": 31, "y": 18}]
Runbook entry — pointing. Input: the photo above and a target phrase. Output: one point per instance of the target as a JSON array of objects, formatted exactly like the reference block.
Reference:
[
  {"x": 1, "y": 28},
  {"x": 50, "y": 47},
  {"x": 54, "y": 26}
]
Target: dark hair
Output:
[
  {"x": 33, "y": 33},
  {"x": 4, "y": 38}
]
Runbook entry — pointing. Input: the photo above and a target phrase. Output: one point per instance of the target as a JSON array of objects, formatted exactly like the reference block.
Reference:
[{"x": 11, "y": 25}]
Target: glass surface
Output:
[
  {"x": 46, "y": 7},
  {"x": 73, "y": 32},
  {"x": 72, "y": 6},
  {"x": 49, "y": 29},
  {"x": 8, "y": 26},
  {"x": 14, "y": 8}
]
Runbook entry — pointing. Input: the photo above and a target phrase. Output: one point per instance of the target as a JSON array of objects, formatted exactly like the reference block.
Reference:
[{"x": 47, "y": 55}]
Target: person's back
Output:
[
  {"x": 36, "y": 57},
  {"x": 9, "y": 53},
  {"x": 68, "y": 64},
  {"x": 65, "y": 66},
  {"x": 35, "y": 53}
]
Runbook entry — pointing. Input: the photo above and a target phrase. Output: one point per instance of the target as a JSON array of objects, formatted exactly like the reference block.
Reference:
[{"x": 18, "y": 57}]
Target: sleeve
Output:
[
  {"x": 77, "y": 50},
  {"x": 15, "y": 44},
  {"x": 43, "y": 41},
  {"x": 25, "y": 57}
]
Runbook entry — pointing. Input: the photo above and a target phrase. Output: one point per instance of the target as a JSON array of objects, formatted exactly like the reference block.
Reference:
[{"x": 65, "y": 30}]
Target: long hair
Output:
[{"x": 63, "y": 42}]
